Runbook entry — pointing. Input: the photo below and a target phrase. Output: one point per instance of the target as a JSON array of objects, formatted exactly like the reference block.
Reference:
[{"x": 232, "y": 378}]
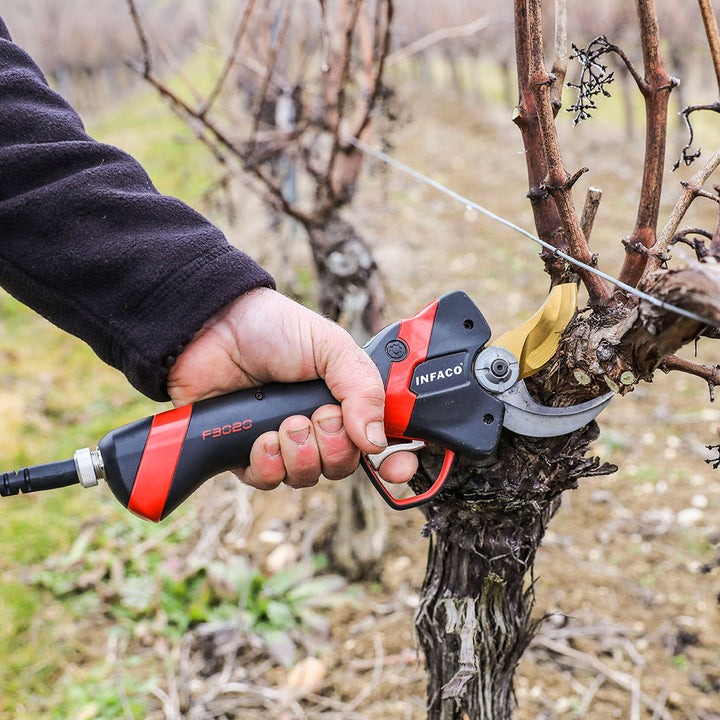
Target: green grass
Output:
[{"x": 56, "y": 396}]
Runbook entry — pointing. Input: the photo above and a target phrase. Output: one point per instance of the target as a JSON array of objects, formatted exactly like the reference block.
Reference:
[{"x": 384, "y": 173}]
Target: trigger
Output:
[
  {"x": 377, "y": 459},
  {"x": 415, "y": 500}
]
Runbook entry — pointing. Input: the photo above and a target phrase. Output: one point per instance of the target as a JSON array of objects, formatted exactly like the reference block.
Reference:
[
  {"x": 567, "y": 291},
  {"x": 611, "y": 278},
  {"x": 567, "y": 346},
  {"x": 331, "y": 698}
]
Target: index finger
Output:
[{"x": 355, "y": 381}]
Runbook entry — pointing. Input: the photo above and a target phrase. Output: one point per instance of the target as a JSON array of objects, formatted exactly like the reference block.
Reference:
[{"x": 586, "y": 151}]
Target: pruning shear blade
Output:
[
  {"x": 526, "y": 349},
  {"x": 525, "y": 416},
  {"x": 535, "y": 341}
]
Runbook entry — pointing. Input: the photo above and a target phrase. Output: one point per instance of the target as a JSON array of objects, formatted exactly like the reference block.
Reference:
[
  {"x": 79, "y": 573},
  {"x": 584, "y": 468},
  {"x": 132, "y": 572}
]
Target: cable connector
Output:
[{"x": 89, "y": 466}]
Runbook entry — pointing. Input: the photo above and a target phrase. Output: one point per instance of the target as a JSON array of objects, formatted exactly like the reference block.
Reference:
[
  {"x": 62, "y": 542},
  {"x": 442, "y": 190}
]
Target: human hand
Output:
[{"x": 264, "y": 337}]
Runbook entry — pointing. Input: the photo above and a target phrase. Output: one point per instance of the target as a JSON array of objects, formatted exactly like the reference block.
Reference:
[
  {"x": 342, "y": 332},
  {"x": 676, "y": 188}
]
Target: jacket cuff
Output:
[{"x": 172, "y": 314}]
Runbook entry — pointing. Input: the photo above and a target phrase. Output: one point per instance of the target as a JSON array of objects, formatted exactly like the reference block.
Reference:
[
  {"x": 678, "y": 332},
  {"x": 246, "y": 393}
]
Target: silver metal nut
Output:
[{"x": 85, "y": 467}]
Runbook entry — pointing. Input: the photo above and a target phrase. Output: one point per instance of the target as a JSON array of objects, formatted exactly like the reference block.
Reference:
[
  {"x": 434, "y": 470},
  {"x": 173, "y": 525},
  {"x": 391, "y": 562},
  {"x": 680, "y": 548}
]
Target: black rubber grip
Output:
[
  {"x": 154, "y": 464},
  {"x": 222, "y": 430},
  {"x": 121, "y": 450}
]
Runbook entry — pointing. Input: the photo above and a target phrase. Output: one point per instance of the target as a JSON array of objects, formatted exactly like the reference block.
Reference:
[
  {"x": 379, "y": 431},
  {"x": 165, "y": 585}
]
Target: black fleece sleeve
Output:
[{"x": 88, "y": 242}]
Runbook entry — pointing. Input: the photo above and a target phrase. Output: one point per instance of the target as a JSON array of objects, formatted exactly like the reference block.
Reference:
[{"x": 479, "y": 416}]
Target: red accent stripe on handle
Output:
[
  {"x": 415, "y": 332},
  {"x": 158, "y": 463}
]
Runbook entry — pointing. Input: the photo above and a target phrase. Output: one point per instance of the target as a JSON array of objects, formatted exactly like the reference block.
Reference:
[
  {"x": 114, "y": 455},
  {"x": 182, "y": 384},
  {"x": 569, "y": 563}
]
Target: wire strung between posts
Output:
[{"x": 388, "y": 160}]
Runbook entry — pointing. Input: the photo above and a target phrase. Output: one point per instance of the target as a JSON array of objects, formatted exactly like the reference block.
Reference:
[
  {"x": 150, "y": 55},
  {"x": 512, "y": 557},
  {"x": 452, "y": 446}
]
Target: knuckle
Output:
[{"x": 261, "y": 482}]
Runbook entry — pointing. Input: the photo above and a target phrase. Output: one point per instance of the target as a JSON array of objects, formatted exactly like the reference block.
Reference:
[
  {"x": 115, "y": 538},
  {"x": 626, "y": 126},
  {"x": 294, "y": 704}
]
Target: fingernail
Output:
[
  {"x": 300, "y": 435},
  {"x": 272, "y": 448},
  {"x": 375, "y": 432},
  {"x": 331, "y": 425}
]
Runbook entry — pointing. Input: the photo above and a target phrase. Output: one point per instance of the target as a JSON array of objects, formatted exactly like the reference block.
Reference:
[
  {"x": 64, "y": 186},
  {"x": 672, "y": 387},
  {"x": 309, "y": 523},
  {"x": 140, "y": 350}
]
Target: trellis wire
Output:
[{"x": 416, "y": 174}]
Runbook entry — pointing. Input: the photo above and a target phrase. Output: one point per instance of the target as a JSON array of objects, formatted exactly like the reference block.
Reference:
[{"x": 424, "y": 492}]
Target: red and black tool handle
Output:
[
  {"x": 426, "y": 362},
  {"x": 154, "y": 464}
]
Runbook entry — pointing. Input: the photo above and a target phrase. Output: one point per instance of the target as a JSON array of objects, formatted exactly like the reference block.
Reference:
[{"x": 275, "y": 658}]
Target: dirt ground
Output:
[{"x": 628, "y": 572}]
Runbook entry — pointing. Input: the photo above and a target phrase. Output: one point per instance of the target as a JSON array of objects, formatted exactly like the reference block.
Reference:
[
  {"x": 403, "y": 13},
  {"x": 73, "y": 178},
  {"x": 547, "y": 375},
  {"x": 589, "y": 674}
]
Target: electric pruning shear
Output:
[{"x": 444, "y": 385}]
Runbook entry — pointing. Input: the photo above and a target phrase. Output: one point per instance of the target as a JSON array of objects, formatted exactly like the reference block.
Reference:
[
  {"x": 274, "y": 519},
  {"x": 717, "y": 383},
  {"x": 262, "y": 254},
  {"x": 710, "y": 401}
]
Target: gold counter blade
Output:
[{"x": 535, "y": 341}]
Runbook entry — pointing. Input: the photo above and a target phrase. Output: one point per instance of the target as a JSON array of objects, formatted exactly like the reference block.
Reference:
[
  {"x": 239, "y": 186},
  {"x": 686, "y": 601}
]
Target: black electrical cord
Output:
[{"x": 39, "y": 477}]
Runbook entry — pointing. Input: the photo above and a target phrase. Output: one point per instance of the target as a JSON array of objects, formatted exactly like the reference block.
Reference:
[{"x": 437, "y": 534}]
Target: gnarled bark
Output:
[
  {"x": 474, "y": 621},
  {"x": 351, "y": 290}
]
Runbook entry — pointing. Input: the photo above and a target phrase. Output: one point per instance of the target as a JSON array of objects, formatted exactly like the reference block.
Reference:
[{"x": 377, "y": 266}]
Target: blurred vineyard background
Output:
[{"x": 104, "y": 616}]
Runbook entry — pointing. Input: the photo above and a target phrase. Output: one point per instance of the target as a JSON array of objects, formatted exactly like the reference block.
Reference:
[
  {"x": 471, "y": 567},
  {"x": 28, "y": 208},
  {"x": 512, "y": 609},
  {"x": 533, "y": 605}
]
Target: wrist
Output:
[{"x": 169, "y": 360}]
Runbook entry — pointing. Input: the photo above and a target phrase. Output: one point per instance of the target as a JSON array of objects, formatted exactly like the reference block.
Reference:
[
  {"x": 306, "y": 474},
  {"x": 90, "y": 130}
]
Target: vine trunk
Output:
[{"x": 474, "y": 621}]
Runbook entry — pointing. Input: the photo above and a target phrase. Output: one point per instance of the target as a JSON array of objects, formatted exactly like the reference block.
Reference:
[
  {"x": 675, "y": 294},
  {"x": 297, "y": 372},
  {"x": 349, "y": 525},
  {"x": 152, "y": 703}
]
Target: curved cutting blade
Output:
[{"x": 525, "y": 416}]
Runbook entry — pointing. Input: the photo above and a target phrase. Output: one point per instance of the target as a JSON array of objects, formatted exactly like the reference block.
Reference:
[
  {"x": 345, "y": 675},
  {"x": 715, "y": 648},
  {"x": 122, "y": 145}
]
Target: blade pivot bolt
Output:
[
  {"x": 496, "y": 369},
  {"x": 500, "y": 368}
]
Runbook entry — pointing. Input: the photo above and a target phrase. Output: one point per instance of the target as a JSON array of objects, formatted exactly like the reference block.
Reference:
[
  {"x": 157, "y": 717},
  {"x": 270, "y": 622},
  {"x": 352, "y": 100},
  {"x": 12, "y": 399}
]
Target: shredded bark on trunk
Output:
[{"x": 474, "y": 622}]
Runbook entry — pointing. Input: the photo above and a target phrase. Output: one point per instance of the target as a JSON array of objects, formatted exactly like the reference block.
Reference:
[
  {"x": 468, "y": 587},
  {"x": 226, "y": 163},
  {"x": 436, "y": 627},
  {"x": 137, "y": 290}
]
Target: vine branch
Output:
[
  {"x": 592, "y": 204},
  {"x": 230, "y": 60},
  {"x": 435, "y": 37},
  {"x": 557, "y": 181},
  {"x": 656, "y": 87},
  {"x": 691, "y": 190},
  {"x": 545, "y": 213},
  {"x": 712, "y": 34},
  {"x": 559, "y": 68},
  {"x": 277, "y": 43},
  {"x": 196, "y": 117},
  {"x": 688, "y": 156},
  {"x": 709, "y": 373},
  {"x": 375, "y": 80}
]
